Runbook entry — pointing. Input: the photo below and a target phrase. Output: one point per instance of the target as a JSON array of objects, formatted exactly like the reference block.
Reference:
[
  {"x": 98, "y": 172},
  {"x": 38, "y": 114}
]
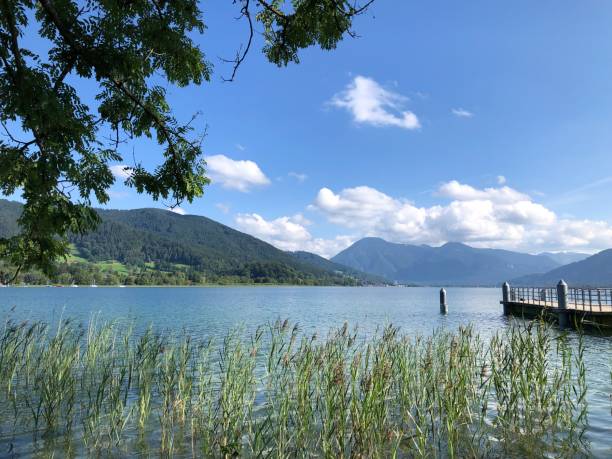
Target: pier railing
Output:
[
  {"x": 590, "y": 299},
  {"x": 580, "y": 299},
  {"x": 546, "y": 297},
  {"x": 573, "y": 307}
]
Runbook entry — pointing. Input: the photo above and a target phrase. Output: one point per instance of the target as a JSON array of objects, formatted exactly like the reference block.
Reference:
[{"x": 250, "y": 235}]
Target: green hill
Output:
[{"x": 154, "y": 246}]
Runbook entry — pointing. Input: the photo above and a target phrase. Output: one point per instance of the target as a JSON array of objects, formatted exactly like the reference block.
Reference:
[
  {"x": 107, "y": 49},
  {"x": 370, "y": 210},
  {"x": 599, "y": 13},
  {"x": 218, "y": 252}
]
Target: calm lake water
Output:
[{"x": 212, "y": 311}]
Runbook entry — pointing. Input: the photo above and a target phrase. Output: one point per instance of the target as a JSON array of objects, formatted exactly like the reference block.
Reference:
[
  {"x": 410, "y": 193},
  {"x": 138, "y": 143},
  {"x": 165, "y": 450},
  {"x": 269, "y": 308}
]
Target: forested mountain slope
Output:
[{"x": 192, "y": 247}]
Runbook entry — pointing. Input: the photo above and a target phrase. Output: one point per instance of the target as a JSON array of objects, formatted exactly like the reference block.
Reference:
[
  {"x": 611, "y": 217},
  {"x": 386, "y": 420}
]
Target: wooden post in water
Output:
[
  {"x": 506, "y": 297},
  {"x": 562, "y": 304},
  {"x": 443, "y": 305}
]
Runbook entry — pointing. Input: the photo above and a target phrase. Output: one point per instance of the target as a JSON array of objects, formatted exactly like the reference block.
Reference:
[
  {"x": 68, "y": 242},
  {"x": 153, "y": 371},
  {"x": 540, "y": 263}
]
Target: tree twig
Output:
[{"x": 244, "y": 12}]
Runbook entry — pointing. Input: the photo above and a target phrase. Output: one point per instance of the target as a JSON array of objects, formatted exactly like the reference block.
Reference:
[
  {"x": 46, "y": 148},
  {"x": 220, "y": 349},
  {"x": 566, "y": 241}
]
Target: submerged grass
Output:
[{"x": 281, "y": 393}]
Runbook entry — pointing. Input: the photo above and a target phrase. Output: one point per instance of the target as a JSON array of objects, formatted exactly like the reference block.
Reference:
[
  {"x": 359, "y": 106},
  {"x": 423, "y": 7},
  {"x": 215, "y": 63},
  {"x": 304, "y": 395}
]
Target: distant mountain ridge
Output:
[
  {"x": 156, "y": 240},
  {"x": 324, "y": 263},
  {"x": 451, "y": 264},
  {"x": 594, "y": 271},
  {"x": 171, "y": 242},
  {"x": 565, "y": 258}
]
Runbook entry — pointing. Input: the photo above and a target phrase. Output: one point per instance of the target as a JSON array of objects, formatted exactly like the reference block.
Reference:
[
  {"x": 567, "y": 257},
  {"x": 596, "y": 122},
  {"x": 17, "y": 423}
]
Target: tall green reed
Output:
[{"x": 282, "y": 393}]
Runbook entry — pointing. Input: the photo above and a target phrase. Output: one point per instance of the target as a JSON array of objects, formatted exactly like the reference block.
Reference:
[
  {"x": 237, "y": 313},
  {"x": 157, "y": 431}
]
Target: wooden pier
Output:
[{"x": 571, "y": 307}]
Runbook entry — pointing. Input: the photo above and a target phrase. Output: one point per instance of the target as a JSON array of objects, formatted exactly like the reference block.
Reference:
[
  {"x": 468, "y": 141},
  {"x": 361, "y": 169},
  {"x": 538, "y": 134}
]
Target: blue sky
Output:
[{"x": 482, "y": 122}]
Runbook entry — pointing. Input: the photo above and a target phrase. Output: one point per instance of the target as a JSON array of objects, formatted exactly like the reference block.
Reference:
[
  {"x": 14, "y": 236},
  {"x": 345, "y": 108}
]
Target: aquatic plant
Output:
[{"x": 283, "y": 393}]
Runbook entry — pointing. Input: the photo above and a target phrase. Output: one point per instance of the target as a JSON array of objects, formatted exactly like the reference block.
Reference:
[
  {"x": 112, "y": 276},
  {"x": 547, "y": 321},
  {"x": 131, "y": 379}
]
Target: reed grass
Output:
[{"x": 281, "y": 393}]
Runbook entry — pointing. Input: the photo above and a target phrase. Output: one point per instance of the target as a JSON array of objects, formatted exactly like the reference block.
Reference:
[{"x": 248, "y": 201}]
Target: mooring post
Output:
[
  {"x": 562, "y": 304},
  {"x": 506, "y": 297},
  {"x": 443, "y": 305}
]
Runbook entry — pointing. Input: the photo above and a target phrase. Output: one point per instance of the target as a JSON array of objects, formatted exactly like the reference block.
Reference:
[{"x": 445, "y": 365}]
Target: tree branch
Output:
[
  {"x": 23, "y": 144},
  {"x": 19, "y": 77},
  {"x": 271, "y": 9},
  {"x": 244, "y": 12},
  {"x": 15, "y": 275},
  {"x": 67, "y": 34},
  {"x": 356, "y": 11},
  {"x": 64, "y": 73}
]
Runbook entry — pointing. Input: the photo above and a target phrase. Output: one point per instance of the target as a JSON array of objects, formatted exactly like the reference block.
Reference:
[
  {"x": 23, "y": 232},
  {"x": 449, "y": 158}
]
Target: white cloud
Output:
[
  {"x": 285, "y": 231},
  {"x": 299, "y": 177},
  {"x": 300, "y": 219},
  {"x": 501, "y": 180},
  {"x": 121, "y": 171},
  {"x": 327, "y": 248},
  {"x": 178, "y": 210},
  {"x": 354, "y": 204},
  {"x": 370, "y": 103},
  {"x": 491, "y": 217},
  {"x": 240, "y": 147},
  {"x": 225, "y": 208},
  {"x": 239, "y": 175},
  {"x": 462, "y": 192},
  {"x": 462, "y": 113},
  {"x": 290, "y": 233}
]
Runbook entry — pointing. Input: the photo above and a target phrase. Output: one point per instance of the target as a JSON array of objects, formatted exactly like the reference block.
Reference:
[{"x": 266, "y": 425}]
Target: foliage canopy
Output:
[{"x": 57, "y": 149}]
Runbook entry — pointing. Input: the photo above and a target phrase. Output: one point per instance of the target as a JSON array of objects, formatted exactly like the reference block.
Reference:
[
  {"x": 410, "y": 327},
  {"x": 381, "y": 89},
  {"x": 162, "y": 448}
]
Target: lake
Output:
[{"x": 212, "y": 311}]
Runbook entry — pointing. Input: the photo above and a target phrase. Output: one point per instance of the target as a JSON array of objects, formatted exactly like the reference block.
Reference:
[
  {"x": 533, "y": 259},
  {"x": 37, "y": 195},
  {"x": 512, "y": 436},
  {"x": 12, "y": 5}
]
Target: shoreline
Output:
[{"x": 251, "y": 286}]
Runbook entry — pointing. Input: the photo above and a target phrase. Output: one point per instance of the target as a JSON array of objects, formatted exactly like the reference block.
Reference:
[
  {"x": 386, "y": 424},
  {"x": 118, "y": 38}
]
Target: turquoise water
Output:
[{"x": 212, "y": 311}]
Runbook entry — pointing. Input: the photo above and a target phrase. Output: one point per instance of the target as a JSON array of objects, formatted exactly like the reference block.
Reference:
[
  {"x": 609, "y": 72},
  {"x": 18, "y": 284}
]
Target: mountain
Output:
[
  {"x": 9, "y": 213},
  {"x": 327, "y": 265},
  {"x": 451, "y": 264},
  {"x": 154, "y": 241},
  {"x": 594, "y": 271},
  {"x": 565, "y": 258}
]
